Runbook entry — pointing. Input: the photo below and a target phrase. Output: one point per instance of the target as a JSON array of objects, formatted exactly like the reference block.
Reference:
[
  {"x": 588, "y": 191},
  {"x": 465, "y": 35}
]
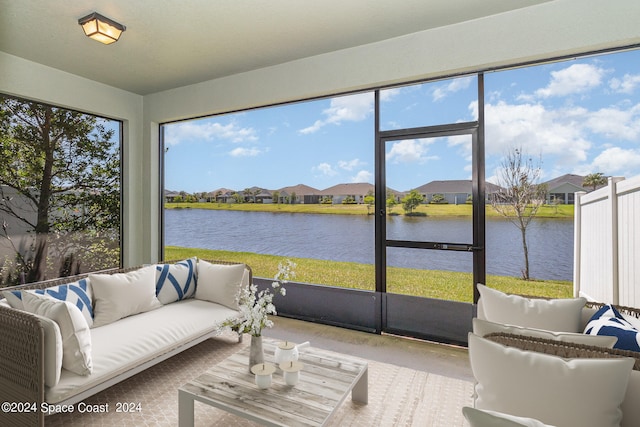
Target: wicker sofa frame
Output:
[{"x": 22, "y": 356}]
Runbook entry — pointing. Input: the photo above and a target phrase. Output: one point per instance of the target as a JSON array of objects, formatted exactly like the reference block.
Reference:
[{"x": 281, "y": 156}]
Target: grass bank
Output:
[
  {"x": 546, "y": 211},
  {"x": 446, "y": 285}
]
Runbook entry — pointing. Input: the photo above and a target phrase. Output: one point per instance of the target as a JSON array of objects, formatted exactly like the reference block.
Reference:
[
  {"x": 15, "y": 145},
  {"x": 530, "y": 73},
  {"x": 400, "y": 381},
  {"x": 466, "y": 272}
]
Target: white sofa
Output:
[
  {"x": 531, "y": 359},
  {"x": 59, "y": 350}
]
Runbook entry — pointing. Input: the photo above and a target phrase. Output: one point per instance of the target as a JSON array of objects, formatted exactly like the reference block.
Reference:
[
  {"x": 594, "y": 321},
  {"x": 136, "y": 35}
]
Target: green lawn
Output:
[
  {"x": 546, "y": 211},
  {"x": 426, "y": 283}
]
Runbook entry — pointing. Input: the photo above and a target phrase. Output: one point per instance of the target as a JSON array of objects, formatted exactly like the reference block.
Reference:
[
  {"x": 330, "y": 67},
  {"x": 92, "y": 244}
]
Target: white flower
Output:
[{"x": 255, "y": 306}]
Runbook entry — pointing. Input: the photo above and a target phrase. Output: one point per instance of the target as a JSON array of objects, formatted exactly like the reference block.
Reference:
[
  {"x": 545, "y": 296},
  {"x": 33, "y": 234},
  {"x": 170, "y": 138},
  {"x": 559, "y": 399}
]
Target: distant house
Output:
[
  {"x": 222, "y": 195},
  {"x": 169, "y": 196},
  {"x": 299, "y": 194},
  {"x": 356, "y": 191},
  {"x": 562, "y": 189},
  {"x": 256, "y": 195},
  {"x": 455, "y": 192}
]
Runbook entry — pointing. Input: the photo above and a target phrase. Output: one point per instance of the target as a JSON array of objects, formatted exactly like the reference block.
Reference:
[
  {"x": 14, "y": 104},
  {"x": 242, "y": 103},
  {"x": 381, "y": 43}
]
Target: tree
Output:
[
  {"x": 65, "y": 173},
  {"x": 391, "y": 203},
  {"x": 594, "y": 180},
  {"x": 411, "y": 201},
  {"x": 370, "y": 201},
  {"x": 521, "y": 195}
]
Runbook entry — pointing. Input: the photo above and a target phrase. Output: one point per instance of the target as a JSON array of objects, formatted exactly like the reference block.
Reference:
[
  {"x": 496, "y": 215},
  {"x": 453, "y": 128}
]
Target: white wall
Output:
[
  {"x": 551, "y": 29},
  {"x": 33, "y": 81}
]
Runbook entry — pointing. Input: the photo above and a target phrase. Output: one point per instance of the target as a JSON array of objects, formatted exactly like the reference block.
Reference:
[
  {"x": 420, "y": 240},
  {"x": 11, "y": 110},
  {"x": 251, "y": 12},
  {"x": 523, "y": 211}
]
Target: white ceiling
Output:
[{"x": 172, "y": 43}]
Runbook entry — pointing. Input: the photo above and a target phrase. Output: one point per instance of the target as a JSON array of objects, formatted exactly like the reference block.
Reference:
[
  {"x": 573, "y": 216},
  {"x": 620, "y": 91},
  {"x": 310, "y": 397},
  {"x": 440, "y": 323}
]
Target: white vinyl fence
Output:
[{"x": 607, "y": 243}]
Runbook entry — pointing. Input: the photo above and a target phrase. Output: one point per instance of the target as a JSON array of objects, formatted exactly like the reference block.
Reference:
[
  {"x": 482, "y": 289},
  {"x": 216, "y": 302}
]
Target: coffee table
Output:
[{"x": 325, "y": 382}]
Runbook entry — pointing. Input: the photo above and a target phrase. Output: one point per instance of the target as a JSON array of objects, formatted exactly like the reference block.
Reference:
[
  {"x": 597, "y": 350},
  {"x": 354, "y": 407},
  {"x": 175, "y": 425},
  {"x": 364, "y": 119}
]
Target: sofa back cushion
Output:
[
  {"x": 560, "y": 315},
  {"x": 123, "y": 294},
  {"x": 221, "y": 283}
]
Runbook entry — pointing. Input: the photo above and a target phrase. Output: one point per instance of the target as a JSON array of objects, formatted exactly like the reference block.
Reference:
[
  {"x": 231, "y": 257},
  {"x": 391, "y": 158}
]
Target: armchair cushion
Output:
[
  {"x": 480, "y": 418},
  {"x": 485, "y": 327},
  {"x": 556, "y": 391},
  {"x": 561, "y": 315}
]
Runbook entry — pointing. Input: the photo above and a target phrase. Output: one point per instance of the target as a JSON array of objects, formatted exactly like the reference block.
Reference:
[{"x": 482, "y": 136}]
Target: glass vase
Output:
[{"x": 256, "y": 355}]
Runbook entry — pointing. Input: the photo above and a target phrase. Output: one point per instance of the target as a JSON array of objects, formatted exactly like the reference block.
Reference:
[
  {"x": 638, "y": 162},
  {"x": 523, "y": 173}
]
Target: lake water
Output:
[{"x": 351, "y": 238}]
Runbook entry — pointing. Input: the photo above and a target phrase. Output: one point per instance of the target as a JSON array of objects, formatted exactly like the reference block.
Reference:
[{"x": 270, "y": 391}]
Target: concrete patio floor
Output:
[{"x": 442, "y": 359}]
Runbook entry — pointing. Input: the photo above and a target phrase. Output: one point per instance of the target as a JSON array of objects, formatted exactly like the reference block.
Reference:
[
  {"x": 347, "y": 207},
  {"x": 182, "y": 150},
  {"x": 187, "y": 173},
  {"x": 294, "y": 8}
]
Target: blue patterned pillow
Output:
[
  {"x": 608, "y": 321},
  {"x": 78, "y": 293},
  {"x": 175, "y": 282}
]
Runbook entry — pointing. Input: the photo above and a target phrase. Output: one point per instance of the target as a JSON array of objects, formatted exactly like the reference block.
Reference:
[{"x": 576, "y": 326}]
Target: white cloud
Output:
[
  {"x": 352, "y": 108},
  {"x": 576, "y": 78},
  {"x": 615, "y": 123},
  {"x": 616, "y": 161},
  {"x": 410, "y": 151},
  {"x": 325, "y": 169},
  {"x": 244, "y": 152},
  {"x": 551, "y": 132},
  {"x": 313, "y": 128},
  {"x": 627, "y": 85},
  {"x": 455, "y": 85},
  {"x": 389, "y": 94},
  {"x": 176, "y": 133},
  {"x": 362, "y": 176},
  {"x": 350, "y": 164}
]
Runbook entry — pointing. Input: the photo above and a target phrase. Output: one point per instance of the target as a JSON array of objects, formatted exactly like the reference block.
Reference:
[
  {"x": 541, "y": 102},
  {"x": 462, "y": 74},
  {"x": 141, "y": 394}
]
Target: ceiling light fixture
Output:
[{"x": 101, "y": 28}]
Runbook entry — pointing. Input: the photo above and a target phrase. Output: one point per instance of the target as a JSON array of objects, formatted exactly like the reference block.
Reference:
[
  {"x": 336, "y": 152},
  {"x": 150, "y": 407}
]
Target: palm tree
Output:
[{"x": 594, "y": 180}]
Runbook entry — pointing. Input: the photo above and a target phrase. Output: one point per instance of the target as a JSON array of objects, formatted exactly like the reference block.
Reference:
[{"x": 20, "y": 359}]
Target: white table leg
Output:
[
  {"x": 185, "y": 409},
  {"x": 360, "y": 391}
]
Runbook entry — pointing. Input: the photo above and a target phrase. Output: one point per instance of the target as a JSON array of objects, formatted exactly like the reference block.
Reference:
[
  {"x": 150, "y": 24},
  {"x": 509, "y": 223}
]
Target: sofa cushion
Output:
[
  {"x": 480, "y": 418},
  {"x": 123, "y": 294},
  {"x": 78, "y": 293},
  {"x": 608, "y": 321},
  {"x": 485, "y": 327},
  {"x": 573, "y": 392},
  {"x": 123, "y": 345},
  {"x": 220, "y": 283},
  {"x": 560, "y": 315},
  {"x": 76, "y": 340},
  {"x": 175, "y": 282}
]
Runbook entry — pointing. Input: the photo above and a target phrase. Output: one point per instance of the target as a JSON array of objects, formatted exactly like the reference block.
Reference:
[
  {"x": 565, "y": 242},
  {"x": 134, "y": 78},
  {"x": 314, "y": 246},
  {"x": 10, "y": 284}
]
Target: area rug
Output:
[{"x": 397, "y": 396}]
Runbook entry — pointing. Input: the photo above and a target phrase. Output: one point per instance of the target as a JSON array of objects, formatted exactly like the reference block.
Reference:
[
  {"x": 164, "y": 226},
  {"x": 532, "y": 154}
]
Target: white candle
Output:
[
  {"x": 291, "y": 372},
  {"x": 263, "y": 373},
  {"x": 286, "y": 351}
]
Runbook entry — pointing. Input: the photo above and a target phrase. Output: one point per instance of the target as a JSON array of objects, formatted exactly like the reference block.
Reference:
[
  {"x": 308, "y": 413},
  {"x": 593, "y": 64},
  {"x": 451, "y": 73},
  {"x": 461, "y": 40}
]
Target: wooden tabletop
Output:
[{"x": 325, "y": 382}]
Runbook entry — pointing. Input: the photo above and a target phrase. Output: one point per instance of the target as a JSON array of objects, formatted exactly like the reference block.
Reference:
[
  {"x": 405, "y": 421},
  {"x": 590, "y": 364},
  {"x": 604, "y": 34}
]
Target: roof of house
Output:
[
  {"x": 350, "y": 189},
  {"x": 453, "y": 186},
  {"x": 299, "y": 190},
  {"x": 571, "y": 179}
]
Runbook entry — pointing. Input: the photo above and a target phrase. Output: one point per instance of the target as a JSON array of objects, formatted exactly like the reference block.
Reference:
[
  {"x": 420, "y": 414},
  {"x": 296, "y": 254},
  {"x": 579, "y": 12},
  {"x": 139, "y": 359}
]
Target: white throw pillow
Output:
[
  {"x": 175, "y": 282},
  {"x": 220, "y": 283},
  {"x": 76, "y": 338},
  {"x": 560, "y": 315},
  {"x": 123, "y": 294},
  {"x": 78, "y": 293},
  {"x": 573, "y": 392},
  {"x": 480, "y": 418},
  {"x": 485, "y": 327}
]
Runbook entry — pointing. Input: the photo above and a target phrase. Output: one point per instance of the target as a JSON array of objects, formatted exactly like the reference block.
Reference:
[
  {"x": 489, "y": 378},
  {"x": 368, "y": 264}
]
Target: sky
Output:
[{"x": 580, "y": 117}]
